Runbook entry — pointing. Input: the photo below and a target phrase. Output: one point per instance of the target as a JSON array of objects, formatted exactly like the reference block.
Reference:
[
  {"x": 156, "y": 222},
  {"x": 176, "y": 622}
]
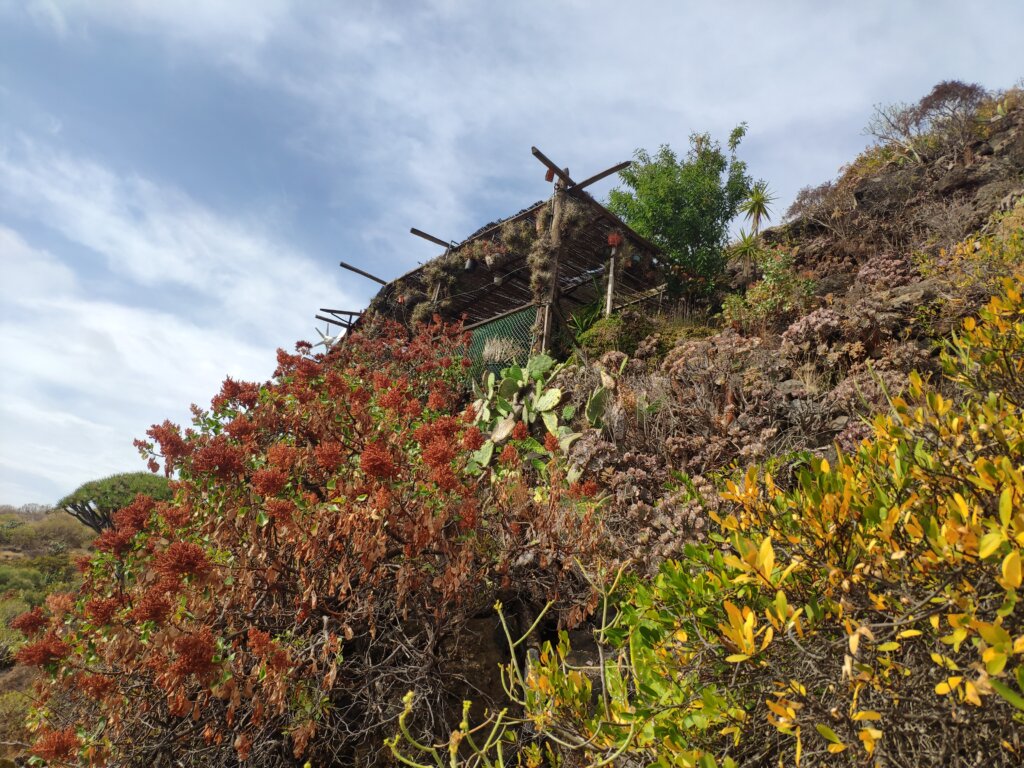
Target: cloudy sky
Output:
[{"x": 179, "y": 180}]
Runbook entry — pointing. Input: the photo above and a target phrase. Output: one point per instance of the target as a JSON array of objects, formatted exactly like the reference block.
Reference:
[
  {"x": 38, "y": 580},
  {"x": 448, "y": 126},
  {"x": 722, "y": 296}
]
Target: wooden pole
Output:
[
  {"x": 609, "y": 299},
  {"x": 431, "y": 238},
  {"x": 358, "y": 271},
  {"x": 557, "y": 209}
]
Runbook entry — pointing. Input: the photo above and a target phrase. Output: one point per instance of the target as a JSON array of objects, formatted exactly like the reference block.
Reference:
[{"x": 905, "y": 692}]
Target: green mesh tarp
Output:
[{"x": 498, "y": 343}]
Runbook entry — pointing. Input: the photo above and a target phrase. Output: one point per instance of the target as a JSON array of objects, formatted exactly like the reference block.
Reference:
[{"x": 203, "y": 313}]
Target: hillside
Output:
[{"x": 779, "y": 526}]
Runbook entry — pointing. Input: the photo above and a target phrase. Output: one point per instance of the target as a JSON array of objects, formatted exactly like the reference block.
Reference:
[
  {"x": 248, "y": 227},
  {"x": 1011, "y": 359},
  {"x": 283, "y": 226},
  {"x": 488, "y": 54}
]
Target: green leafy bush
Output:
[
  {"x": 775, "y": 299},
  {"x": 617, "y": 333},
  {"x": 684, "y": 205}
]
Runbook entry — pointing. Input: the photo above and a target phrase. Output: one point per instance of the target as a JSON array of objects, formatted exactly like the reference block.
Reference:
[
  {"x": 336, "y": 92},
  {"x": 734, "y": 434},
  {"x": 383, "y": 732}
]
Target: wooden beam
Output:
[
  {"x": 358, "y": 271},
  {"x": 431, "y": 238},
  {"x": 339, "y": 311},
  {"x": 644, "y": 296},
  {"x": 334, "y": 321},
  {"x": 552, "y": 167},
  {"x": 602, "y": 175}
]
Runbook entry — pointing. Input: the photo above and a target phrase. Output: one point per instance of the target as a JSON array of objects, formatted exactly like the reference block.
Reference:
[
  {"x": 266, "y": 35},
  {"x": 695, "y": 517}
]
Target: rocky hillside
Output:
[{"x": 851, "y": 294}]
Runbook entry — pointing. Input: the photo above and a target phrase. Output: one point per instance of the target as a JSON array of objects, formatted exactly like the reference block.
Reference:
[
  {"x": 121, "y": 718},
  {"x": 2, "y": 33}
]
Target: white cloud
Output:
[
  {"x": 84, "y": 374},
  {"x": 160, "y": 239},
  {"x": 84, "y": 377},
  {"x": 435, "y": 105}
]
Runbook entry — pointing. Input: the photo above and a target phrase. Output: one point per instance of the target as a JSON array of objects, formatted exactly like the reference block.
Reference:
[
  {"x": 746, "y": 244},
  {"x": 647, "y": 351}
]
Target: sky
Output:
[{"x": 178, "y": 181}]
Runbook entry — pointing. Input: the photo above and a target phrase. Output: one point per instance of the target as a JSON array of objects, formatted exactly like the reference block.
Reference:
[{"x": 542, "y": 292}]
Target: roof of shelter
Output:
[{"x": 489, "y": 274}]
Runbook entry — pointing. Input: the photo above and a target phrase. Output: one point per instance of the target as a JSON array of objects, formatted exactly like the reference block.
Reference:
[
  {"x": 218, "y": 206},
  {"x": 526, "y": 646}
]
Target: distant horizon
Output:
[{"x": 176, "y": 189}]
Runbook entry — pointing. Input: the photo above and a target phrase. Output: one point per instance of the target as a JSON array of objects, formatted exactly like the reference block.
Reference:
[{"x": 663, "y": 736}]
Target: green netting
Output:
[{"x": 499, "y": 343}]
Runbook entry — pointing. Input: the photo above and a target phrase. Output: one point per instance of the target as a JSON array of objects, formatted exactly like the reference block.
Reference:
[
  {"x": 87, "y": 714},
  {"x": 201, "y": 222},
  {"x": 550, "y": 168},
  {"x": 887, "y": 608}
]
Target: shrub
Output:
[
  {"x": 942, "y": 121},
  {"x": 684, "y": 205},
  {"x": 845, "y": 620},
  {"x": 325, "y": 550},
  {"x": 617, "y": 333},
  {"x": 774, "y": 299}
]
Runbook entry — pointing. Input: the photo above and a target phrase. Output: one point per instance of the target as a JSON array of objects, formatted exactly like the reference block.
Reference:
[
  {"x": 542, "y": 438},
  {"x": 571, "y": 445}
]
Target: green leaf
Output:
[
  {"x": 550, "y": 422},
  {"x": 538, "y": 365},
  {"x": 1007, "y": 693},
  {"x": 483, "y": 455},
  {"x": 566, "y": 439},
  {"x": 827, "y": 733},
  {"x": 990, "y": 542},
  {"x": 548, "y": 400},
  {"x": 596, "y": 406},
  {"x": 508, "y": 388},
  {"x": 568, "y": 412}
]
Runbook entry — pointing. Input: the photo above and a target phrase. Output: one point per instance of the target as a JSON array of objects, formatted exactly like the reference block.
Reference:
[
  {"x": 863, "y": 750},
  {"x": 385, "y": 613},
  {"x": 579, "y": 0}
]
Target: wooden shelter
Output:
[{"x": 517, "y": 281}]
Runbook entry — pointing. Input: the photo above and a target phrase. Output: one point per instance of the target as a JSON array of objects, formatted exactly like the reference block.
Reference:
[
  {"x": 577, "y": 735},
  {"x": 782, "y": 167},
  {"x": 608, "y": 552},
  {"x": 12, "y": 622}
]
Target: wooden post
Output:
[
  {"x": 557, "y": 206},
  {"x": 609, "y": 299}
]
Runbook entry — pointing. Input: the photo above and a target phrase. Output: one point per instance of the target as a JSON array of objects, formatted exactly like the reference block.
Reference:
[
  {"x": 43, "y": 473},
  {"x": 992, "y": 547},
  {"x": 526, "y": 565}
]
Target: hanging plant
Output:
[
  {"x": 421, "y": 313},
  {"x": 518, "y": 236},
  {"x": 542, "y": 272},
  {"x": 543, "y": 219}
]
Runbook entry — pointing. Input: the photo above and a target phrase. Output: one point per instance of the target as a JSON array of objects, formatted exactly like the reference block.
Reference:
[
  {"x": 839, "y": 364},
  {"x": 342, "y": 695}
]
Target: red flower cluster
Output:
[
  {"x": 469, "y": 514},
  {"x": 133, "y": 518},
  {"x": 95, "y": 686},
  {"x": 154, "y": 606},
  {"x": 59, "y": 604},
  {"x": 31, "y": 622},
  {"x": 56, "y": 746},
  {"x": 114, "y": 540},
  {"x": 172, "y": 446},
  {"x": 329, "y": 455},
  {"x": 263, "y": 647},
  {"x": 102, "y": 609},
  {"x": 583, "y": 490},
  {"x": 42, "y": 652},
  {"x": 241, "y": 428},
  {"x": 438, "y": 453},
  {"x": 282, "y": 456},
  {"x": 510, "y": 455},
  {"x": 472, "y": 439},
  {"x": 269, "y": 482},
  {"x": 377, "y": 461},
  {"x": 520, "y": 431},
  {"x": 176, "y": 515},
  {"x": 219, "y": 458},
  {"x": 180, "y": 559},
  {"x": 195, "y": 655},
  {"x": 550, "y": 443},
  {"x": 280, "y": 511},
  {"x": 243, "y": 393}
]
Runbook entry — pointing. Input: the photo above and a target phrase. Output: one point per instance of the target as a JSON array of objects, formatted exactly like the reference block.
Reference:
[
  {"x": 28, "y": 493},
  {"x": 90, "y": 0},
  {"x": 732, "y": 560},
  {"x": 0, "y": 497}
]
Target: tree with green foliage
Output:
[
  {"x": 684, "y": 205},
  {"x": 94, "y": 503}
]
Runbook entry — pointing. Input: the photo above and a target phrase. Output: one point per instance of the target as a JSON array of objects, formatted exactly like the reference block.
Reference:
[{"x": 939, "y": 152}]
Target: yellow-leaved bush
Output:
[{"x": 868, "y": 615}]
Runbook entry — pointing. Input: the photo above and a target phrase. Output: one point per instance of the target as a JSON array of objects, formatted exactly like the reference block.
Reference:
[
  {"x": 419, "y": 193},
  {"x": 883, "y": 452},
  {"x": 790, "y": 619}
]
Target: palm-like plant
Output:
[
  {"x": 757, "y": 206},
  {"x": 745, "y": 250}
]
